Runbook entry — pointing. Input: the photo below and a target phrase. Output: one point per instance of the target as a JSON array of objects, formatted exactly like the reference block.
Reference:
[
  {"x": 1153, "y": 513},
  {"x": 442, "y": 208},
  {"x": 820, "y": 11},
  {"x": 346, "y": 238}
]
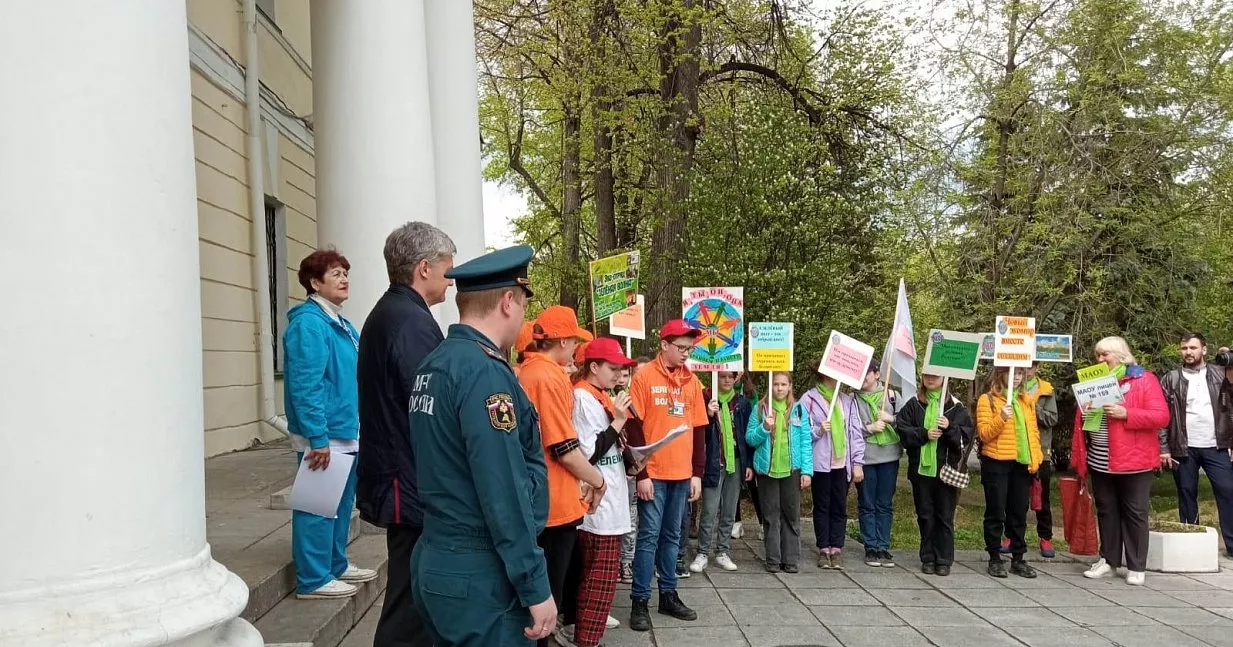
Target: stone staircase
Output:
[{"x": 252, "y": 537}]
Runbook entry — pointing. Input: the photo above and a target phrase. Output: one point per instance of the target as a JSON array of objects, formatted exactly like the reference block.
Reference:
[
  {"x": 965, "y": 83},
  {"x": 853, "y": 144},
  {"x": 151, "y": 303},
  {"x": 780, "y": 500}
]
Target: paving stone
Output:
[
  {"x": 1093, "y": 585},
  {"x": 1207, "y": 599},
  {"x": 1145, "y": 636},
  {"x": 701, "y": 637},
  {"x": 888, "y": 580},
  {"x": 1128, "y": 596},
  {"x": 780, "y": 615},
  {"x": 744, "y": 580},
  {"x": 708, "y": 616},
  {"x": 863, "y": 616},
  {"x": 967, "y": 580},
  {"x": 1060, "y": 637},
  {"x": 759, "y": 636},
  {"x": 835, "y": 597},
  {"x": 1169, "y": 582},
  {"x": 1222, "y": 580},
  {"x": 1017, "y": 617},
  {"x": 895, "y": 598},
  {"x": 879, "y": 637},
  {"x": 1041, "y": 581},
  {"x": 1103, "y": 616},
  {"x": 969, "y": 636},
  {"x": 694, "y": 598},
  {"x": 1228, "y": 613},
  {"x": 1002, "y": 597},
  {"x": 756, "y": 597},
  {"x": 819, "y": 580},
  {"x": 1214, "y": 636},
  {"x": 1185, "y": 617},
  {"x": 1071, "y": 597},
  {"x": 620, "y": 637},
  {"x": 926, "y": 617}
]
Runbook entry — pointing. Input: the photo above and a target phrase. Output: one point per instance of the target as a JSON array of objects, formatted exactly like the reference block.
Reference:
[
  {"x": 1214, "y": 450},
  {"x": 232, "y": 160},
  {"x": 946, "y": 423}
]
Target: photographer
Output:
[{"x": 1200, "y": 432}]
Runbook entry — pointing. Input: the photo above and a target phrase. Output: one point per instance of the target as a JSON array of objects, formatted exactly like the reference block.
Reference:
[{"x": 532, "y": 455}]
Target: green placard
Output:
[
  {"x": 614, "y": 283},
  {"x": 1093, "y": 372},
  {"x": 953, "y": 353}
]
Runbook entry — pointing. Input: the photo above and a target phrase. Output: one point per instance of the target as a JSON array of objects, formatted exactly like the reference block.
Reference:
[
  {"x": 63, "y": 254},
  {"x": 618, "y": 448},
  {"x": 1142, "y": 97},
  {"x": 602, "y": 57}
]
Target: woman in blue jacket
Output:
[
  {"x": 782, "y": 462},
  {"x": 320, "y": 350}
]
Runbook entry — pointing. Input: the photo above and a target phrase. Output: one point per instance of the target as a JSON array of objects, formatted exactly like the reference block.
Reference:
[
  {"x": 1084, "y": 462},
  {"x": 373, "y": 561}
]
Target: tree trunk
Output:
[
  {"x": 605, "y": 181},
  {"x": 571, "y": 206},
  {"x": 679, "y": 51}
]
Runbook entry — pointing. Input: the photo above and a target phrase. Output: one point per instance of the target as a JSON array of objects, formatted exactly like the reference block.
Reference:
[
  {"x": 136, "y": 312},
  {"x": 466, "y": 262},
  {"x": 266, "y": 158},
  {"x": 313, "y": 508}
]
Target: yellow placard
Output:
[{"x": 770, "y": 360}]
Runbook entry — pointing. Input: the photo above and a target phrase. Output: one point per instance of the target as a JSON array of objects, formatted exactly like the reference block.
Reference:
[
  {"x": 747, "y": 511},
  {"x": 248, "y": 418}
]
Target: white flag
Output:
[{"x": 899, "y": 357}]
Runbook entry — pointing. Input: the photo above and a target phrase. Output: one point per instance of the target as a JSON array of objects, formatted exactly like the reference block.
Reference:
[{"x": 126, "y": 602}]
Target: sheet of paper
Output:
[
  {"x": 641, "y": 453},
  {"x": 319, "y": 491},
  {"x": 1098, "y": 392}
]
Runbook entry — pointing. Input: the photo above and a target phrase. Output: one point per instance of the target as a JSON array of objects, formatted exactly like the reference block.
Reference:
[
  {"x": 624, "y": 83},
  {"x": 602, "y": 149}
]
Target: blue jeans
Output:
[
  {"x": 659, "y": 536},
  {"x": 319, "y": 544},
  {"x": 1220, "y": 472},
  {"x": 875, "y": 496}
]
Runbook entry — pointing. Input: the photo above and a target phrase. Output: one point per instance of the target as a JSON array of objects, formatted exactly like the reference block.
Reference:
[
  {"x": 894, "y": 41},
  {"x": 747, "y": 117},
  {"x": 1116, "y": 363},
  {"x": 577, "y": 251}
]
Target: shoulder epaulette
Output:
[{"x": 493, "y": 354}]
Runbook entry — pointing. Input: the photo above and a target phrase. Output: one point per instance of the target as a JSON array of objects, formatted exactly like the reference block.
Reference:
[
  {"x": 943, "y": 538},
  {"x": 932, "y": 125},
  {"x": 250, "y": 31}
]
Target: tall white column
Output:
[
  {"x": 373, "y": 140},
  {"x": 102, "y": 477},
  {"x": 454, "y": 98}
]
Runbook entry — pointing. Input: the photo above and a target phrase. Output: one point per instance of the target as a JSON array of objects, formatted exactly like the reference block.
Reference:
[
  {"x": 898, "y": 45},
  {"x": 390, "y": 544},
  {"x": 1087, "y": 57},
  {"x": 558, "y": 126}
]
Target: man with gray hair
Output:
[{"x": 399, "y": 332}]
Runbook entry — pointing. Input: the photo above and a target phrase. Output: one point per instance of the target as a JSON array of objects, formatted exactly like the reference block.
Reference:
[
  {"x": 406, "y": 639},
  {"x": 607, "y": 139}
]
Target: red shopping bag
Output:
[
  {"x": 1078, "y": 517},
  {"x": 1037, "y": 495}
]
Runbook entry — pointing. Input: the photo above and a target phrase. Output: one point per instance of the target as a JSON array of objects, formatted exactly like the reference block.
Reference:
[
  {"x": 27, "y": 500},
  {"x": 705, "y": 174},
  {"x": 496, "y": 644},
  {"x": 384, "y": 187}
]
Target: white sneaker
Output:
[
  {"x": 1135, "y": 578},
  {"x": 331, "y": 590},
  {"x": 1099, "y": 570},
  {"x": 564, "y": 636},
  {"x": 612, "y": 623},
  {"x": 356, "y": 575},
  {"x": 725, "y": 562},
  {"x": 737, "y": 530},
  {"x": 699, "y": 564}
]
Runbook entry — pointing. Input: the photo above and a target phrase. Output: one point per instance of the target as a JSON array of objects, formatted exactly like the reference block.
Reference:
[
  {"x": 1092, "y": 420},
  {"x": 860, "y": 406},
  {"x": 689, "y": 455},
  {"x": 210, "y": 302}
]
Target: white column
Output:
[
  {"x": 454, "y": 98},
  {"x": 372, "y": 133},
  {"x": 102, "y": 477}
]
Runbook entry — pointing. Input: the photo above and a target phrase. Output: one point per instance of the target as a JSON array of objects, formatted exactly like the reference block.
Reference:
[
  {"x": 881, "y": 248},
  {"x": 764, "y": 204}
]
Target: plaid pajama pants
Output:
[{"x": 601, "y": 561}]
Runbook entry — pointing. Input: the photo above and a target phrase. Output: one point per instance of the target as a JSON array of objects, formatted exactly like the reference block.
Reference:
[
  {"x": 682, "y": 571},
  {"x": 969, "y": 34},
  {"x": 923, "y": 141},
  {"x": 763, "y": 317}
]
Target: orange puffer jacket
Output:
[{"x": 997, "y": 436}]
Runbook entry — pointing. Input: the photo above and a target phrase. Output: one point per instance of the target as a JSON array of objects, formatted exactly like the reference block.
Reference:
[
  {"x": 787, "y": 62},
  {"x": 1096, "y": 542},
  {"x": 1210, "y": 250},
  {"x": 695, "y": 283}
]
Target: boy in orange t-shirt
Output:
[
  {"x": 543, "y": 377},
  {"x": 665, "y": 396}
]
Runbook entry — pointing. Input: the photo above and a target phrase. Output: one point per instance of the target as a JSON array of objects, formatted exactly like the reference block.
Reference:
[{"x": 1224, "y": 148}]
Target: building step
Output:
[{"x": 324, "y": 623}]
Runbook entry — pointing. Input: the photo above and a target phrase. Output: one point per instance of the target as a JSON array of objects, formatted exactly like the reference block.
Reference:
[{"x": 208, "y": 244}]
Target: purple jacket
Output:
[{"x": 813, "y": 405}]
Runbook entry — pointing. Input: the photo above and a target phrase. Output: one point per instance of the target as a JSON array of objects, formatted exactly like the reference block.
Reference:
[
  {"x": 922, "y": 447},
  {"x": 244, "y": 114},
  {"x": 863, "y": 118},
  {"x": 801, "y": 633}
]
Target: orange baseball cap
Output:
[
  {"x": 580, "y": 353},
  {"x": 524, "y": 337},
  {"x": 558, "y": 322}
]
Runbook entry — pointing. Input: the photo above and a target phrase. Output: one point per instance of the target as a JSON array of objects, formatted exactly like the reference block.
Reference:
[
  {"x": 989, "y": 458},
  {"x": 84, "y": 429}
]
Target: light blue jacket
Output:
[
  {"x": 319, "y": 385},
  {"x": 800, "y": 446}
]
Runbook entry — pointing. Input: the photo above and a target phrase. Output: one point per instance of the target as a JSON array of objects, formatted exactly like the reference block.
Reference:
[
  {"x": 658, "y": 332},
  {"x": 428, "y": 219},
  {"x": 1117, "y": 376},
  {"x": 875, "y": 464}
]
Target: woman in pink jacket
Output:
[{"x": 1117, "y": 446}]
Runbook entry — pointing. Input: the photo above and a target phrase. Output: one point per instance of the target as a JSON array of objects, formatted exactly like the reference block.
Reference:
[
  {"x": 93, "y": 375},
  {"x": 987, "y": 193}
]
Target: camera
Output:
[{"x": 1223, "y": 358}]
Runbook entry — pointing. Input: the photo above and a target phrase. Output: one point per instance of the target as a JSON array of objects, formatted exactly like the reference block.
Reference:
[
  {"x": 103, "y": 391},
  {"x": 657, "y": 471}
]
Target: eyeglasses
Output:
[{"x": 683, "y": 348}]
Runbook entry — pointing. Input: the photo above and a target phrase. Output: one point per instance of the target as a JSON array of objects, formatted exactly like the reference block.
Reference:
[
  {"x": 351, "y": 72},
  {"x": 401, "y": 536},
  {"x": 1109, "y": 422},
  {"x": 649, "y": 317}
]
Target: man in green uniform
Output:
[{"x": 478, "y": 576}]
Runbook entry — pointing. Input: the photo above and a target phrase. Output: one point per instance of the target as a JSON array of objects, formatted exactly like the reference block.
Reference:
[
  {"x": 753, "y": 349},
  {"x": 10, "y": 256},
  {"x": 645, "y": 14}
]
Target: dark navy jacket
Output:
[
  {"x": 741, "y": 410},
  {"x": 398, "y": 334}
]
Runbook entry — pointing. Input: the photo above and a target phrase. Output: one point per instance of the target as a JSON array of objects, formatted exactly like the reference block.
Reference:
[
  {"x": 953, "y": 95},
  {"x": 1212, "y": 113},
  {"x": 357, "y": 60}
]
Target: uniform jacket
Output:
[
  {"x": 1173, "y": 438},
  {"x": 800, "y": 447},
  {"x": 1134, "y": 442},
  {"x": 814, "y": 410},
  {"x": 319, "y": 386},
  {"x": 997, "y": 436},
  {"x": 910, "y": 425},
  {"x": 480, "y": 464},
  {"x": 398, "y": 334},
  {"x": 741, "y": 411}
]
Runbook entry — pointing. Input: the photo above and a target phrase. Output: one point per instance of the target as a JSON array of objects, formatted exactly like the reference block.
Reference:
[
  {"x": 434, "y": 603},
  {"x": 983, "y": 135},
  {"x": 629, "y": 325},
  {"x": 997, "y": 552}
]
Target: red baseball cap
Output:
[
  {"x": 678, "y": 328},
  {"x": 606, "y": 349},
  {"x": 558, "y": 322}
]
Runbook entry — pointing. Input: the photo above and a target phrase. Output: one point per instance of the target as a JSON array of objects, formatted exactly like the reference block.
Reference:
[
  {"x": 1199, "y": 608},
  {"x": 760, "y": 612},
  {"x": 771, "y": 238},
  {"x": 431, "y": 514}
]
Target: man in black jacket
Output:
[
  {"x": 398, "y": 333},
  {"x": 1199, "y": 434}
]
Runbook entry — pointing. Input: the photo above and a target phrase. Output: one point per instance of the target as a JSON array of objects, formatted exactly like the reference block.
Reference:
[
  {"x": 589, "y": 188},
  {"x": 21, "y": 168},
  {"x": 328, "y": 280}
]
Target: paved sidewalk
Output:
[{"x": 899, "y": 607}]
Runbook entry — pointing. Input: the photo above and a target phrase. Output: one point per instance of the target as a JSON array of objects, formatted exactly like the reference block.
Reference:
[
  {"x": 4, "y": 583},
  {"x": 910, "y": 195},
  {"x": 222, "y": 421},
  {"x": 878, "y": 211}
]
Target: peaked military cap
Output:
[{"x": 500, "y": 269}]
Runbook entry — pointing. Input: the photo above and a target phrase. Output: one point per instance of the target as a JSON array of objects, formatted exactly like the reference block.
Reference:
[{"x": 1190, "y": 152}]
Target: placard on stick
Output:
[
  {"x": 1054, "y": 348},
  {"x": 770, "y": 346},
  {"x": 630, "y": 322},
  {"x": 952, "y": 354},
  {"x": 719, "y": 313},
  {"x": 614, "y": 282},
  {"x": 1014, "y": 341},
  {"x": 846, "y": 359}
]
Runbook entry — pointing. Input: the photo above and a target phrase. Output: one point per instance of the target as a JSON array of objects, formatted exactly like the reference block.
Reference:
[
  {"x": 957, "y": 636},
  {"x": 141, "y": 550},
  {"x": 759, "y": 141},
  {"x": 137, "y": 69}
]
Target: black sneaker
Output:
[
  {"x": 790, "y": 568},
  {"x": 888, "y": 560},
  {"x": 873, "y": 558},
  {"x": 670, "y": 605},
  {"x": 928, "y": 568},
  {"x": 1021, "y": 568},
  {"x": 682, "y": 571},
  {"x": 997, "y": 568},
  {"x": 772, "y": 568},
  {"x": 942, "y": 570},
  {"x": 639, "y": 616}
]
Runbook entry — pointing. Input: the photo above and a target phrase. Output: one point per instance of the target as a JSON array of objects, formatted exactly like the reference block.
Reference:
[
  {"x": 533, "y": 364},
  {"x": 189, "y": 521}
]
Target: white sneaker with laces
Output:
[
  {"x": 612, "y": 623},
  {"x": 1135, "y": 578},
  {"x": 330, "y": 590},
  {"x": 699, "y": 564},
  {"x": 357, "y": 575},
  {"x": 1099, "y": 570},
  {"x": 725, "y": 562},
  {"x": 737, "y": 530}
]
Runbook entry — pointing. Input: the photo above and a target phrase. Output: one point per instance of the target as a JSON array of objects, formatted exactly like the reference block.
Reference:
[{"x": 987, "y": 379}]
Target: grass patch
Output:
[{"x": 1175, "y": 527}]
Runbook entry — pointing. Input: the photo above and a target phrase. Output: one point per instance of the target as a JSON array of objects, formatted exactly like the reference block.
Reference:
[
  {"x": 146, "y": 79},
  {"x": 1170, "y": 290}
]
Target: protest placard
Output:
[
  {"x": 952, "y": 354},
  {"x": 1095, "y": 371},
  {"x": 1096, "y": 393},
  {"x": 1054, "y": 348},
  {"x": 1014, "y": 341},
  {"x": 846, "y": 359},
  {"x": 770, "y": 346},
  {"x": 614, "y": 284},
  {"x": 986, "y": 346},
  {"x": 719, "y": 313},
  {"x": 630, "y": 322}
]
